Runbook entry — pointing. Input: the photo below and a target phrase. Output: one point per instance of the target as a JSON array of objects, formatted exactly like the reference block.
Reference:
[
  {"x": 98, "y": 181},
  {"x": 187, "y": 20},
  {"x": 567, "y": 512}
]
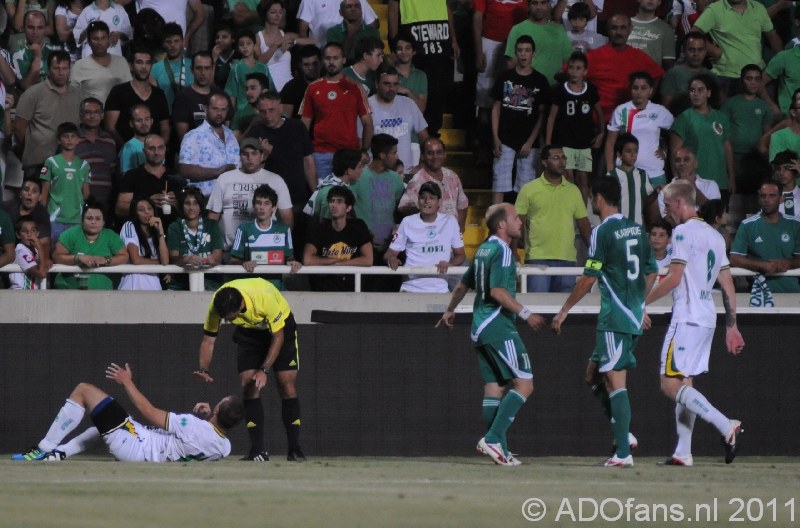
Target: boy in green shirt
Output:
[
  {"x": 265, "y": 240},
  {"x": 65, "y": 182}
]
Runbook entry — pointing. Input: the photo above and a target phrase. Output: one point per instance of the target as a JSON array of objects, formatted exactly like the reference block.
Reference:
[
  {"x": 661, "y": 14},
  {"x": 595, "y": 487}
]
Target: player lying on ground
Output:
[{"x": 176, "y": 437}]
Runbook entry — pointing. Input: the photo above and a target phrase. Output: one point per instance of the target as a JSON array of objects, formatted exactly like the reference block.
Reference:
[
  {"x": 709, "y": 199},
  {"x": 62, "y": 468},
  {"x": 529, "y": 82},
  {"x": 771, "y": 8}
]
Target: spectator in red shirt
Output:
[
  {"x": 611, "y": 65},
  {"x": 332, "y": 105}
]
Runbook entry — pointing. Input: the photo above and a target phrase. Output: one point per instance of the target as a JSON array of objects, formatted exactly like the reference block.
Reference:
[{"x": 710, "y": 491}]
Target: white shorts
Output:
[
  {"x": 128, "y": 442},
  {"x": 686, "y": 350}
]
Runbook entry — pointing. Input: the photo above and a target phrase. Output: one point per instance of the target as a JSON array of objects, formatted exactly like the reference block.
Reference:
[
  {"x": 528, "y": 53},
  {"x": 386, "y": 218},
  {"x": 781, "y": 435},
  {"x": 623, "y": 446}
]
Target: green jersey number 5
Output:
[{"x": 633, "y": 258}]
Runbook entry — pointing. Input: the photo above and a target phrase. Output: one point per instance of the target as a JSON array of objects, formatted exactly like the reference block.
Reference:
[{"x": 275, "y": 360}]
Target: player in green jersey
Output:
[
  {"x": 503, "y": 359},
  {"x": 621, "y": 259}
]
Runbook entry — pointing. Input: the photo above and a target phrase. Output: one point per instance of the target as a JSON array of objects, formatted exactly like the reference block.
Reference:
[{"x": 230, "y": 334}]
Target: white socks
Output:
[
  {"x": 684, "y": 423},
  {"x": 698, "y": 404},
  {"x": 67, "y": 419},
  {"x": 82, "y": 442}
]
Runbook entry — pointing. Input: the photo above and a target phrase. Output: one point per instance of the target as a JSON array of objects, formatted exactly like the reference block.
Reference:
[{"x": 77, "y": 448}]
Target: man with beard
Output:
[
  {"x": 192, "y": 103},
  {"x": 97, "y": 148},
  {"x": 211, "y": 148},
  {"x": 123, "y": 97},
  {"x": 620, "y": 256},
  {"x": 332, "y": 105}
]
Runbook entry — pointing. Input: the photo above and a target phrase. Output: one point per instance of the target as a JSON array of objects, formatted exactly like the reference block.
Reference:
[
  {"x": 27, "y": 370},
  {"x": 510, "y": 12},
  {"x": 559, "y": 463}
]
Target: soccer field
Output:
[{"x": 94, "y": 491}]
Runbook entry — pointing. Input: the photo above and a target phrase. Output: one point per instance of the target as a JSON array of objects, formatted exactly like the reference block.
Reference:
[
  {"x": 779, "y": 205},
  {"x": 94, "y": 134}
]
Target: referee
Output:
[{"x": 266, "y": 338}]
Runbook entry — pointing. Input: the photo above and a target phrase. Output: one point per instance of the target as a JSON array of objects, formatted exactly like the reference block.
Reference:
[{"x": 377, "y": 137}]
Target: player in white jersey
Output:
[
  {"x": 698, "y": 260},
  {"x": 175, "y": 437},
  {"x": 429, "y": 238}
]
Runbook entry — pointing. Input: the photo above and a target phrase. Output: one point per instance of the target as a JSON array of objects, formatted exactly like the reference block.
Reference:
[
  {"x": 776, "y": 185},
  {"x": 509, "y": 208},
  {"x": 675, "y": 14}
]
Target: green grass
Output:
[{"x": 88, "y": 491}]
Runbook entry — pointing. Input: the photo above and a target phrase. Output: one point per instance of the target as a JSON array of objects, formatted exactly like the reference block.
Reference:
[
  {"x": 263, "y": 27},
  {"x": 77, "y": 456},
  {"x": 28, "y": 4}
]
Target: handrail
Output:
[{"x": 197, "y": 275}]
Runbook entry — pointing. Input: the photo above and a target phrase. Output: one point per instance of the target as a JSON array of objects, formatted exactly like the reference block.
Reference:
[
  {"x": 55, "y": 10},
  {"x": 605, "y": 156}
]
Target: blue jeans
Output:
[
  {"x": 551, "y": 283},
  {"x": 324, "y": 164},
  {"x": 56, "y": 228}
]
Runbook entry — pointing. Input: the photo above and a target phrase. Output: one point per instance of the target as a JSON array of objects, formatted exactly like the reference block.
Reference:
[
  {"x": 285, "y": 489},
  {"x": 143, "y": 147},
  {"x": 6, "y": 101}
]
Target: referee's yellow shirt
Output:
[{"x": 265, "y": 307}]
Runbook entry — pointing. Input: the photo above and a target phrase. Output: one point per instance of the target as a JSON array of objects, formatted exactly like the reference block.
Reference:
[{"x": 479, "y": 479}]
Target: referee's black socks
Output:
[
  {"x": 254, "y": 418},
  {"x": 290, "y": 412}
]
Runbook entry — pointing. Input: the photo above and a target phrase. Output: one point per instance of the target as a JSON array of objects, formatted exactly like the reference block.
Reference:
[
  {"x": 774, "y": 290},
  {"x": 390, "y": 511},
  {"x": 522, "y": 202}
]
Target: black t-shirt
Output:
[
  {"x": 575, "y": 126},
  {"x": 520, "y": 97},
  {"x": 293, "y": 93},
  {"x": 123, "y": 97},
  {"x": 141, "y": 182},
  {"x": 190, "y": 107},
  {"x": 290, "y": 144},
  {"x": 345, "y": 244}
]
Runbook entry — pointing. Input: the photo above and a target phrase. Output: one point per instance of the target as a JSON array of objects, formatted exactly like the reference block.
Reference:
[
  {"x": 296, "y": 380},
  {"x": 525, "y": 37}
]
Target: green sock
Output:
[
  {"x": 621, "y": 420},
  {"x": 601, "y": 394},
  {"x": 506, "y": 413},
  {"x": 490, "y": 406}
]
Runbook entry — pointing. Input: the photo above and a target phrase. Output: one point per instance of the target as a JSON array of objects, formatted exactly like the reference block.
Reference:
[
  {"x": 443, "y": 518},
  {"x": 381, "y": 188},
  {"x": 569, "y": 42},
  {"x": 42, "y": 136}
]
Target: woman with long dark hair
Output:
[{"x": 146, "y": 244}]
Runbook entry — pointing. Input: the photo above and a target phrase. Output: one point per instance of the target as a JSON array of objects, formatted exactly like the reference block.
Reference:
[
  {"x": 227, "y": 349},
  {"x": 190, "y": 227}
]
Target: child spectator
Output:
[
  {"x": 29, "y": 256},
  {"x": 266, "y": 240},
  {"x": 520, "y": 95},
  {"x": 237, "y": 80},
  {"x": 646, "y": 120},
  {"x": 223, "y": 54},
  {"x": 576, "y": 121},
  {"x": 132, "y": 154},
  {"x": 785, "y": 166},
  {"x": 146, "y": 243},
  {"x": 660, "y": 236},
  {"x": 715, "y": 214},
  {"x": 174, "y": 72},
  {"x": 638, "y": 194},
  {"x": 65, "y": 182},
  {"x": 194, "y": 241},
  {"x": 582, "y": 37}
]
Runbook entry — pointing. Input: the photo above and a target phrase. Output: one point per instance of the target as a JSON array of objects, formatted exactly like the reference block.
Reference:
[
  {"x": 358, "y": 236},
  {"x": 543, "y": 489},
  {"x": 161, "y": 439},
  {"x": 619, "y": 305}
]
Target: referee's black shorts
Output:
[{"x": 253, "y": 345}]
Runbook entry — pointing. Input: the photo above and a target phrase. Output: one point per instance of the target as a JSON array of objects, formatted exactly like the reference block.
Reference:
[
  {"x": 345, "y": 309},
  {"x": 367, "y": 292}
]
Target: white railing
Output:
[{"x": 197, "y": 276}]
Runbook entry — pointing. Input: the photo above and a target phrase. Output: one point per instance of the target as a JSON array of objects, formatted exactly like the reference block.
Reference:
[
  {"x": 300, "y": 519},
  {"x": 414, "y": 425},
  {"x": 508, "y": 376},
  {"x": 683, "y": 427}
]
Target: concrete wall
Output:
[{"x": 388, "y": 383}]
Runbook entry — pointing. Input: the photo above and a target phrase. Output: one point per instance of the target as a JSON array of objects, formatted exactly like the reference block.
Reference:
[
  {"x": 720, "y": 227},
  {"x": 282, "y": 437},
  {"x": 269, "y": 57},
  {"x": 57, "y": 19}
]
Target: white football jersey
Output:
[
  {"x": 427, "y": 244},
  {"x": 702, "y": 249},
  {"x": 186, "y": 437}
]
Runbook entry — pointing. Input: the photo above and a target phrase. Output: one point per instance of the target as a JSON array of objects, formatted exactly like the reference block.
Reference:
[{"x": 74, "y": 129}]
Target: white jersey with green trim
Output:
[{"x": 702, "y": 249}]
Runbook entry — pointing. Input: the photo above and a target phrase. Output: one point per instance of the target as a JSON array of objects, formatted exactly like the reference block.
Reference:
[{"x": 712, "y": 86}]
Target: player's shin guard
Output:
[
  {"x": 698, "y": 404},
  {"x": 600, "y": 392},
  {"x": 509, "y": 406},
  {"x": 290, "y": 412},
  {"x": 684, "y": 425},
  {"x": 254, "y": 419},
  {"x": 621, "y": 420},
  {"x": 67, "y": 419}
]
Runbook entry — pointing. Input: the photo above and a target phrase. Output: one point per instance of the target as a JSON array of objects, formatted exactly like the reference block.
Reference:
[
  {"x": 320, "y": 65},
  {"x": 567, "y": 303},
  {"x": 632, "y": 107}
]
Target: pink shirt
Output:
[{"x": 453, "y": 197}]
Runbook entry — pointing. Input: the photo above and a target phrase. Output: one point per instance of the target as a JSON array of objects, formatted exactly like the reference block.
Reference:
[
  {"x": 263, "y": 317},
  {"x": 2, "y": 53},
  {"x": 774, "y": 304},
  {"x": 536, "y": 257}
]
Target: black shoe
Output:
[
  {"x": 731, "y": 442},
  {"x": 296, "y": 455},
  {"x": 257, "y": 457}
]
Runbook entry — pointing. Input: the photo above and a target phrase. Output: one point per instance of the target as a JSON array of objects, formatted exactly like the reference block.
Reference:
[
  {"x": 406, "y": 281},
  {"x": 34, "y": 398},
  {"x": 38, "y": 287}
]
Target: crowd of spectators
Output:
[{"x": 260, "y": 132}]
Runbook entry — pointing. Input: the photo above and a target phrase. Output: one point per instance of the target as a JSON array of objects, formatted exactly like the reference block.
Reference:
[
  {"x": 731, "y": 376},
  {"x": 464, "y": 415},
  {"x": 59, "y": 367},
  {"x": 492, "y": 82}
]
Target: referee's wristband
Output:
[{"x": 524, "y": 313}]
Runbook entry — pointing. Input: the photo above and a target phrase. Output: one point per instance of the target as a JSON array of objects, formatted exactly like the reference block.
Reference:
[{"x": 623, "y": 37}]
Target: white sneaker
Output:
[
  {"x": 494, "y": 451},
  {"x": 632, "y": 441},
  {"x": 615, "y": 461},
  {"x": 513, "y": 461}
]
